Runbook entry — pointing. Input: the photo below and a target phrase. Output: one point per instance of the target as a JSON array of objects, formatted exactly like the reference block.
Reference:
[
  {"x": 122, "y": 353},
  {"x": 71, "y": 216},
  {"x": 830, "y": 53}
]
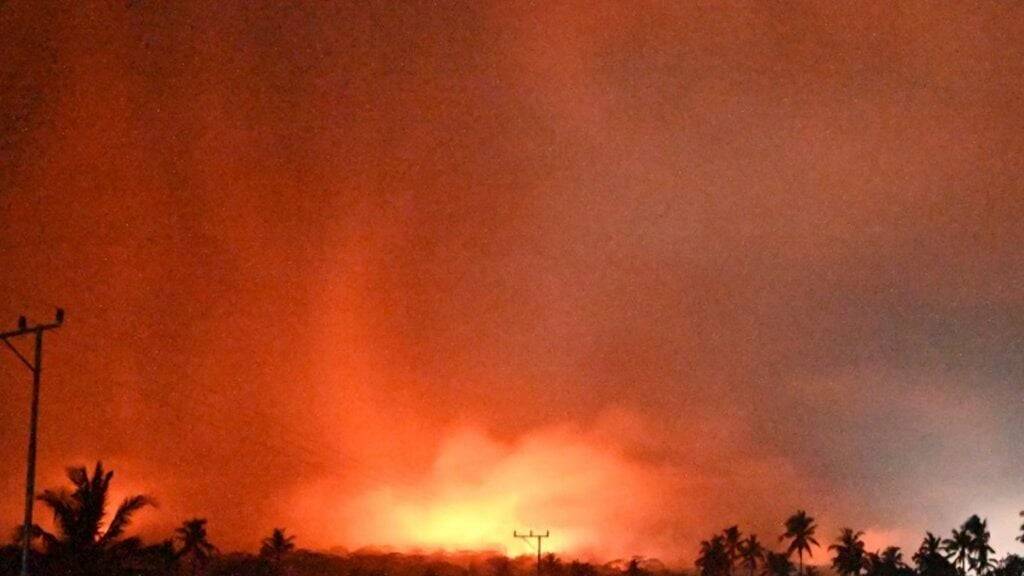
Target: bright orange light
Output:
[
  {"x": 480, "y": 490},
  {"x": 477, "y": 523}
]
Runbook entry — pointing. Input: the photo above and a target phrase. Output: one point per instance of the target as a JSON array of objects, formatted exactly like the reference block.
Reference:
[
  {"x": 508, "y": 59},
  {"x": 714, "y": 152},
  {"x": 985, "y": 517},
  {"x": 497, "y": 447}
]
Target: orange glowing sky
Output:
[{"x": 420, "y": 276}]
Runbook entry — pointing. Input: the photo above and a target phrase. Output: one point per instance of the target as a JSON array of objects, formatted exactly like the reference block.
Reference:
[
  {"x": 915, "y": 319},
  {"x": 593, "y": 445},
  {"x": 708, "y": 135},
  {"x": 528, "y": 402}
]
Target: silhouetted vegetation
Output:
[
  {"x": 850, "y": 557},
  {"x": 800, "y": 532},
  {"x": 85, "y": 543},
  {"x": 966, "y": 552},
  {"x": 196, "y": 549},
  {"x": 751, "y": 554}
]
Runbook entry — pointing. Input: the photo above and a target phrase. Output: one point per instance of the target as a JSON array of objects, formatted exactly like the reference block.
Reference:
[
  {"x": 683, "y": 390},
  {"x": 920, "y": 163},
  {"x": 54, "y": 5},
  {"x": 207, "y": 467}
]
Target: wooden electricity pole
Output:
[{"x": 527, "y": 537}]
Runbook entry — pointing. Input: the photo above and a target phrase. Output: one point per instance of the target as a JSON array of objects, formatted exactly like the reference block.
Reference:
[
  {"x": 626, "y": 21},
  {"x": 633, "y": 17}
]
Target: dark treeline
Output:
[
  {"x": 88, "y": 542},
  {"x": 966, "y": 552}
]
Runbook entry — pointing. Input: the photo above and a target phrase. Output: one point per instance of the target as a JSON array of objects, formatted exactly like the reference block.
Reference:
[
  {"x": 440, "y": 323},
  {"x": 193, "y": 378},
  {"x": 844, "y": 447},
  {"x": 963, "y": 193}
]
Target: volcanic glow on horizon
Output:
[
  {"x": 480, "y": 490},
  {"x": 419, "y": 274}
]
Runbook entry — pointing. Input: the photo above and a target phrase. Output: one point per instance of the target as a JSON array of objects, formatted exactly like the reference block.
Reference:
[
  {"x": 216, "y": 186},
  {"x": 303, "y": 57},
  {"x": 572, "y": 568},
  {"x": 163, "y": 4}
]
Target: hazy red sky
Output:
[{"x": 402, "y": 274}]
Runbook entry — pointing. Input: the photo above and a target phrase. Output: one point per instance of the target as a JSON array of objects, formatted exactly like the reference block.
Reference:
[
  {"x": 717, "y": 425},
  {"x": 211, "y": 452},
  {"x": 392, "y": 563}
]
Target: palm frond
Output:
[
  {"x": 63, "y": 507},
  {"x": 123, "y": 516}
]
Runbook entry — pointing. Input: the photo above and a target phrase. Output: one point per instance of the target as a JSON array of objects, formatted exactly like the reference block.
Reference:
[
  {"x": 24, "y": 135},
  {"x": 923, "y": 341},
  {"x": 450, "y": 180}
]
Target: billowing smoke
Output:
[{"x": 412, "y": 275}]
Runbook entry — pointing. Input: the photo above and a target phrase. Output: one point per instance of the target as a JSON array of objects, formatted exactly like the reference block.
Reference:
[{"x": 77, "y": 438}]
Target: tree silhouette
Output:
[
  {"x": 777, "y": 564},
  {"x": 194, "y": 544},
  {"x": 751, "y": 553},
  {"x": 958, "y": 548},
  {"x": 980, "y": 550},
  {"x": 502, "y": 566},
  {"x": 888, "y": 563},
  {"x": 733, "y": 537},
  {"x": 930, "y": 560},
  {"x": 1021, "y": 537},
  {"x": 1011, "y": 565},
  {"x": 276, "y": 546},
  {"x": 551, "y": 565},
  {"x": 800, "y": 531},
  {"x": 849, "y": 556},
  {"x": 157, "y": 560},
  {"x": 713, "y": 559},
  {"x": 634, "y": 567},
  {"x": 85, "y": 543},
  {"x": 577, "y": 568}
]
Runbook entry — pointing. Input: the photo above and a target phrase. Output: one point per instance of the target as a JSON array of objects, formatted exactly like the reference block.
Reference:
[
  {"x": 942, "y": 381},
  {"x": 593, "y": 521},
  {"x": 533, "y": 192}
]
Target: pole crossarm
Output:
[
  {"x": 31, "y": 329},
  {"x": 527, "y": 537}
]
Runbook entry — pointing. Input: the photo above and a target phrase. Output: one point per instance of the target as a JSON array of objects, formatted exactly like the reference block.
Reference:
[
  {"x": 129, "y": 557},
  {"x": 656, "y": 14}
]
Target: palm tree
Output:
[
  {"x": 931, "y": 544},
  {"x": 733, "y": 537},
  {"x": 194, "y": 543},
  {"x": 276, "y": 546},
  {"x": 800, "y": 531},
  {"x": 849, "y": 549},
  {"x": 930, "y": 560},
  {"x": 958, "y": 548},
  {"x": 751, "y": 553},
  {"x": 888, "y": 563},
  {"x": 777, "y": 564},
  {"x": 84, "y": 541},
  {"x": 979, "y": 547},
  {"x": 713, "y": 559}
]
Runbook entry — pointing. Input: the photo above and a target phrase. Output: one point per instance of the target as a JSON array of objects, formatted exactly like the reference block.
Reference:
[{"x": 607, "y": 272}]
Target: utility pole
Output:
[
  {"x": 36, "y": 367},
  {"x": 526, "y": 538}
]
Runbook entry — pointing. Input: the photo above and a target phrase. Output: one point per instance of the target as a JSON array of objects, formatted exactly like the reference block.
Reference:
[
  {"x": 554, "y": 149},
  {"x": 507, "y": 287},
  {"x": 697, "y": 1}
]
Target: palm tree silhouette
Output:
[
  {"x": 800, "y": 531},
  {"x": 849, "y": 548},
  {"x": 84, "y": 541},
  {"x": 888, "y": 563},
  {"x": 979, "y": 548},
  {"x": 751, "y": 553},
  {"x": 277, "y": 546},
  {"x": 713, "y": 559},
  {"x": 931, "y": 544},
  {"x": 732, "y": 536},
  {"x": 195, "y": 544},
  {"x": 958, "y": 548},
  {"x": 930, "y": 560}
]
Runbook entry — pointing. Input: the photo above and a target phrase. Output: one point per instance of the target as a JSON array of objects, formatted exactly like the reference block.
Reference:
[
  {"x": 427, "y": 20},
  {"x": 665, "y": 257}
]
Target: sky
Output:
[{"x": 420, "y": 274}]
